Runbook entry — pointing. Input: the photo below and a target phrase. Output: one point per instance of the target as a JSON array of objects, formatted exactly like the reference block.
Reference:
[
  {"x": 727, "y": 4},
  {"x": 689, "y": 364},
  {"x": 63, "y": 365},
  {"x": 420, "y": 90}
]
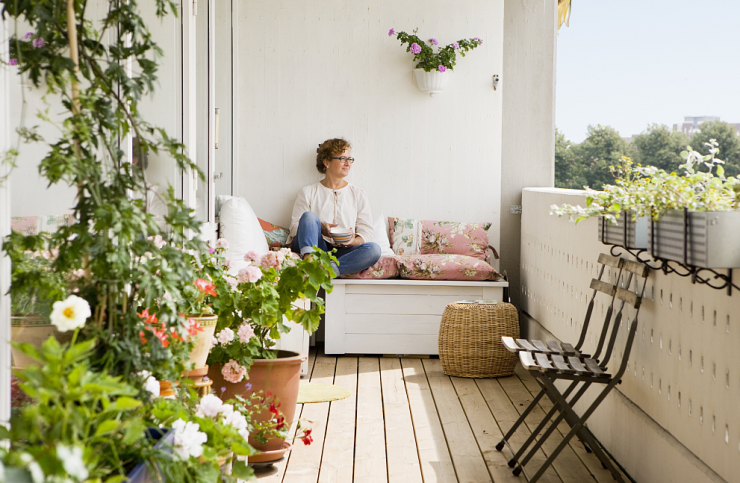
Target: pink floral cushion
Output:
[
  {"x": 447, "y": 237},
  {"x": 445, "y": 267},
  {"x": 403, "y": 234},
  {"x": 386, "y": 267}
]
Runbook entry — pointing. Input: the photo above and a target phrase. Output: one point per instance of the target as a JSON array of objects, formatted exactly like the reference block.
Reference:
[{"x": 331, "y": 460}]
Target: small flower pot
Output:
[
  {"x": 705, "y": 239},
  {"x": 432, "y": 82},
  {"x": 34, "y": 330},
  {"x": 199, "y": 354}
]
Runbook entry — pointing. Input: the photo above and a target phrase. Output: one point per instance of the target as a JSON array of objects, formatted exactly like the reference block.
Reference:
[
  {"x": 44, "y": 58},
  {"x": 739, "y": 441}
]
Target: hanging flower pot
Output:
[{"x": 432, "y": 82}]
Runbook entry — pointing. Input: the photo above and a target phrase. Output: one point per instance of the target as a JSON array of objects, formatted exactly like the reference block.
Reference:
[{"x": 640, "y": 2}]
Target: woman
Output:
[{"x": 334, "y": 202}]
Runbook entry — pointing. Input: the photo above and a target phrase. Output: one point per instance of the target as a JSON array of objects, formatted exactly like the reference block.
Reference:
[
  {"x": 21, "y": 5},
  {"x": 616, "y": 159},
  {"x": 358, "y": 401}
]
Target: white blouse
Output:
[{"x": 346, "y": 207}]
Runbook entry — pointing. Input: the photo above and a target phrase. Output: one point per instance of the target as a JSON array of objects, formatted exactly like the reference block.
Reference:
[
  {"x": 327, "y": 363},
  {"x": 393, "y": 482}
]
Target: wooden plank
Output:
[
  {"x": 609, "y": 260},
  {"x": 485, "y": 429},
  {"x": 304, "y": 462},
  {"x": 602, "y": 287},
  {"x": 406, "y": 282},
  {"x": 434, "y": 456},
  {"x": 403, "y": 457},
  {"x": 391, "y": 324},
  {"x": 370, "y": 461},
  {"x": 397, "y": 344},
  {"x": 337, "y": 462},
  {"x": 629, "y": 296},
  {"x": 640, "y": 269},
  {"x": 466, "y": 456},
  {"x": 506, "y": 414}
]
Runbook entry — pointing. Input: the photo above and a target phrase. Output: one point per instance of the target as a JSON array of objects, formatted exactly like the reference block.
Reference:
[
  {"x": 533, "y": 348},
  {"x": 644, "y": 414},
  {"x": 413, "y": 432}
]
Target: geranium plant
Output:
[
  {"x": 430, "y": 55},
  {"x": 649, "y": 191}
]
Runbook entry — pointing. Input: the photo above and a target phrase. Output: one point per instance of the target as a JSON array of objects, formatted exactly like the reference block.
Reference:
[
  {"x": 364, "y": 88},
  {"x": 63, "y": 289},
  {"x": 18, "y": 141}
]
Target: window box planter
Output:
[
  {"x": 626, "y": 233},
  {"x": 707, "y": 239}
]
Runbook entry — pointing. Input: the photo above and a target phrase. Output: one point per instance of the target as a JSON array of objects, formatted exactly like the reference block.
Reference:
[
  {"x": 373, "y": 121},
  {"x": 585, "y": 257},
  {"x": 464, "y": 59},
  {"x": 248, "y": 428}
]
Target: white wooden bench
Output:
[{"x": 394, "y": 316}]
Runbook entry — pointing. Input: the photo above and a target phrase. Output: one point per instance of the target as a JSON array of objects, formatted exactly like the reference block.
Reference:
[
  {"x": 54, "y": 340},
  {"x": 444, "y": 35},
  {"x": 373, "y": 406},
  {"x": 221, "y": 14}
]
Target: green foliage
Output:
[
  {"x": 112, "y": 241},
  {"x": 568, "y": 169},
  {"x": 430, "y": 60},
  {"x": 603, "y": 147},
  {"x": 727, "y": 140},
  {"x": 659, "y": 146}
]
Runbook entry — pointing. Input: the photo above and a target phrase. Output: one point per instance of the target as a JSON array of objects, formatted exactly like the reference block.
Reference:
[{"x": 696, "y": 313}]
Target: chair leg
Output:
[{"x": 510, "y": 433}]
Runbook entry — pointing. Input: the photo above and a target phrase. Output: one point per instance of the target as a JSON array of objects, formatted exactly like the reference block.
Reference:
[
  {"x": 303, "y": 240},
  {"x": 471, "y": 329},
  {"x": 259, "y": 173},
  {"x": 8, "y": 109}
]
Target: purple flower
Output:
[
  {"x": 433, "y": 41},
  {"x": 39, "y": 42},
  {"x": 223, "y": 388},
  {"x": 441, "y": 68},
  {"x": 211, "y": 250},
  {"x": 27, "y": 35},
  {"x": 205, "y": 378},
  {"x": 479, "y": 40},
  {"x": 391, "y": 32},
  {"x": 455, "y": 45},
  {"x": 13, "y": 61},
  {"x": 248, "y": 385},
  {"x": 415, "y": 48}
]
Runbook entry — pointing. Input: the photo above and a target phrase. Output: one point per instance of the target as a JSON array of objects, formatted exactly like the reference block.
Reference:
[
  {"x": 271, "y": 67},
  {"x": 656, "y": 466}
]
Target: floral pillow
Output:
[
  {"x": 447, "y": 237},
  {"x": 445, "y": 267},
  {"x": 386, "y": 267},
  {"x": 404, "y": 235},
  {"x": 276, "y": 236}
]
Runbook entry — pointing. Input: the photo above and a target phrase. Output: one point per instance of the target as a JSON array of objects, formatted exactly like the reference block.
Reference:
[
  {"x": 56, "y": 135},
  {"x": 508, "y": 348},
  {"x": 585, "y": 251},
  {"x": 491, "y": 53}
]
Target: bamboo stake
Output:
[{"x": 74, "y": 55}]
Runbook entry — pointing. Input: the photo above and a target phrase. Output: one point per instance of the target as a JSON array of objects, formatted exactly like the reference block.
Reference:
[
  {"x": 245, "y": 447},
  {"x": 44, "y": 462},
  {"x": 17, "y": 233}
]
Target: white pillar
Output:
[{"x": 4, "y": 229}]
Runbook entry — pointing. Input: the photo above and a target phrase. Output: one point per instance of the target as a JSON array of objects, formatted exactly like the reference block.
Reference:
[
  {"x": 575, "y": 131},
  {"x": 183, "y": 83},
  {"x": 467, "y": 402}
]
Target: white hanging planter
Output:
[{"x": 432, "y": 82}]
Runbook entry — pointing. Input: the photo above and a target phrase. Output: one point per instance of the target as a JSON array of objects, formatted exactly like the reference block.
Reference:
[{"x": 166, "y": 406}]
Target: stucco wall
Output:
[
  {"x": 528, "y": 147},
  {"x": 308, "y": 71}
]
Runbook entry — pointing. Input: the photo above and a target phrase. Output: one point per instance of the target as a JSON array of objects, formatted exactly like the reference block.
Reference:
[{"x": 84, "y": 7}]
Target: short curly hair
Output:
[{"x": 328, "y": 149}]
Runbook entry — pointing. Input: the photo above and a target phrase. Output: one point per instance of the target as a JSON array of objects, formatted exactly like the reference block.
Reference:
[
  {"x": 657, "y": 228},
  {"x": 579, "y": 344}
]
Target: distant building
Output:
[{"x": 691, "y": 124}]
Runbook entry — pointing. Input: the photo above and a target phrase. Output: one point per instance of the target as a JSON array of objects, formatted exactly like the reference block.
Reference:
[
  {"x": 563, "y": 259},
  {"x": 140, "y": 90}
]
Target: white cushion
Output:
[
  {"x": 240, "y": 227},
  {"x": 381, "y": 237}
]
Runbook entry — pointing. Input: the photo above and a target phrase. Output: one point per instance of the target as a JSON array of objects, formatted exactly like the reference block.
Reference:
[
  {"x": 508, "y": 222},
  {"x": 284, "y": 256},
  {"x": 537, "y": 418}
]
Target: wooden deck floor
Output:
[{"x": 407, "y": 422}]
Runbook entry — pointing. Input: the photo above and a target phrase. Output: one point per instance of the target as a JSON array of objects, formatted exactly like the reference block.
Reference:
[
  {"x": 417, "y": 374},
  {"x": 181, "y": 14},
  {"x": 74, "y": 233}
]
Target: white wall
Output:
[
  {"x": 675, "y": 416},
  {"x": 528, "y": 149},
  {"x": 5, "y": 144},
  {"x": 309, "y": 71}
]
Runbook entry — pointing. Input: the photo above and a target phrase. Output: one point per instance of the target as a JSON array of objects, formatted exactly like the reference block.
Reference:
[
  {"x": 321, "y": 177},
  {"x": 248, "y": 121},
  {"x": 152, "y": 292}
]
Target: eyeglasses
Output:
[{"x": 345, "y": 160}]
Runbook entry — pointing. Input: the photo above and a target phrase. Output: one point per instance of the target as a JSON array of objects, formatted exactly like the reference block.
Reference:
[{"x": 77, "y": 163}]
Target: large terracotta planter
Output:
[
  {"x": 34, "y": 330},
  {"x": 199, "y": 354},
  {"x": 280, "y": 376}
]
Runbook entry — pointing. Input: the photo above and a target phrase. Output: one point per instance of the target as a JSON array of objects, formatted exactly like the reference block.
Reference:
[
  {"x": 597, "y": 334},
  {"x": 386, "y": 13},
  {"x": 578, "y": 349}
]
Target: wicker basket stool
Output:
[{"x": 470, "y": 339}]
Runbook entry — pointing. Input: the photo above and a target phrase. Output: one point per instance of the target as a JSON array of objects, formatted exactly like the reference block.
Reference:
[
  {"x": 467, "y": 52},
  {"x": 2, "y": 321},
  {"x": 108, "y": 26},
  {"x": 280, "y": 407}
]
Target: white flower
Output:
[
  {"x": 152, "y": 385},
  {"x": 222, "y": 243},
  {"x": 188, "y": 440},
  {"x": 237, "y": 420},
  {"x": 245, "y": 333},
  {"x": 158, "y": 241},
  {"x": 71, "y": 458},
  {"x": 214, "y": 342},
  {"x": 225, "y": 336},
  {"x": 227, "y": 409},
  {"x": 210, "y": 406},
  {"x": 244, "y": 433},
  {"x": 70, "y": 313}
]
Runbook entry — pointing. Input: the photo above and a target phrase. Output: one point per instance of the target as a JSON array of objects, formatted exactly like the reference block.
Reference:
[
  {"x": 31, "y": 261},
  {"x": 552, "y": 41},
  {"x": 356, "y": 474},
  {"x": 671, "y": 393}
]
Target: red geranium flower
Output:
[
  {"x": 306, "y": 438},
  {"x": 148, "y": 319},
  {"x": 206, "y": 287},
  {"x": 280, "y": 423},
  {"x": 194, "y": 327}
]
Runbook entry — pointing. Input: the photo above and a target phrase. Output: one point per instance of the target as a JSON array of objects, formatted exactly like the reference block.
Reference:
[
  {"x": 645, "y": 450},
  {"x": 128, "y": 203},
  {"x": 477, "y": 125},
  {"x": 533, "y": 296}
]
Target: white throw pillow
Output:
[
  {"x": 381, "y": 237},
  {"x": 240, "y": 227}
]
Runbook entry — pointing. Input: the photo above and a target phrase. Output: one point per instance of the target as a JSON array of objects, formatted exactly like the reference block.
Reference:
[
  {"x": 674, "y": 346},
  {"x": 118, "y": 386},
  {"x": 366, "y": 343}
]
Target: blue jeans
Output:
[{"x": 351, "y": 259}]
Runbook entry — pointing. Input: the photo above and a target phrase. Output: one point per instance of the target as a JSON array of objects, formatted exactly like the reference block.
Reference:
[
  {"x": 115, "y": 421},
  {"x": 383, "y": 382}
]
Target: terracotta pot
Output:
[
  {"x": 199, "y": 354},
  {"x": 166, "y": 389},
  {"x": 34, "y": 330},
  {"x": 280, "y": 376}
]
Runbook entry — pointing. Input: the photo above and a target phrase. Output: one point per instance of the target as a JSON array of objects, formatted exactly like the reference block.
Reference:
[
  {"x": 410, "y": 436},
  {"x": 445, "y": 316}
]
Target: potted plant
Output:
[
  {"x": 689, "y": 216},
  {"x": 242, "y": 360},
  {"x": 431, "y": 70}
]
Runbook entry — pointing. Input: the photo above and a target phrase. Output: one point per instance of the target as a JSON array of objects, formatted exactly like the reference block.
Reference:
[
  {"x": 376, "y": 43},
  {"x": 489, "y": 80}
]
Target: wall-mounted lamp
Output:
[{"x": 495, "y": 81}]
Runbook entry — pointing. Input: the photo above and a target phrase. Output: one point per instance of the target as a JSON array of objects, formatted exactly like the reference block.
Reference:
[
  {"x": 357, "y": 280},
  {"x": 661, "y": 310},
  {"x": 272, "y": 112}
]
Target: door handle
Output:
[{"x": 218, "y": 111}]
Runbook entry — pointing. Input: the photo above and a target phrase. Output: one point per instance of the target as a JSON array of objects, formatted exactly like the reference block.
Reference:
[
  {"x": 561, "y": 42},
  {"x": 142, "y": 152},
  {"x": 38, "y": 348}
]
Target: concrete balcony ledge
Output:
[{"x": 674, "y": 417}]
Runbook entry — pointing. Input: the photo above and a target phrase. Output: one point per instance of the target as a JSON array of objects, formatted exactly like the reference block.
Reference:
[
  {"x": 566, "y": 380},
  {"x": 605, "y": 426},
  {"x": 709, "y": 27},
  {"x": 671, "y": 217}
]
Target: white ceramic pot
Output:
[{"x": 432, "y": 82}]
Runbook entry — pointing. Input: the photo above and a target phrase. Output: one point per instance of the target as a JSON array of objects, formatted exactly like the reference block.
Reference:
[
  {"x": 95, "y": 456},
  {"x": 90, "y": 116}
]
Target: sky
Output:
[{"x": 630, "y": 63}]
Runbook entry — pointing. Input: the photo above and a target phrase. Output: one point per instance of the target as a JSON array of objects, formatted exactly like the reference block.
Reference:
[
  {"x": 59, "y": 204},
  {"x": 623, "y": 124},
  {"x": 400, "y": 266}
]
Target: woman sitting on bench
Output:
[{"x": 333, "y": 202}]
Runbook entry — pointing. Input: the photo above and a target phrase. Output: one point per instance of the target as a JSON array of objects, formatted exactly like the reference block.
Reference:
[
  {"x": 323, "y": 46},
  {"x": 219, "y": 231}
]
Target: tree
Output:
[
  {"x": 659, "y": 146},
  {"x": 728, "y": 140},
  {"x": 602, "y": 148},
  {"x": 568, "y": 171}
]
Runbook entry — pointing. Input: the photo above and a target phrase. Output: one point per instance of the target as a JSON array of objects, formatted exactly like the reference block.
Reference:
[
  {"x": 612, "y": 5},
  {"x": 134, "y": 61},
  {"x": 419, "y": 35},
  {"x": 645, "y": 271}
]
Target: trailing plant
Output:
[
  {"x": 425, "y": 55},
  {"x": 648, "y": 191},
  {"x": 115, "y": 242}
]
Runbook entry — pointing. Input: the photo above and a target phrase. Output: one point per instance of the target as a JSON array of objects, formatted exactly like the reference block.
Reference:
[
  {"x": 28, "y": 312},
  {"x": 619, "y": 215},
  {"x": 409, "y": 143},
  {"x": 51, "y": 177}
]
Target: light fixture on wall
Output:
[{"x": 495, "y": 81}]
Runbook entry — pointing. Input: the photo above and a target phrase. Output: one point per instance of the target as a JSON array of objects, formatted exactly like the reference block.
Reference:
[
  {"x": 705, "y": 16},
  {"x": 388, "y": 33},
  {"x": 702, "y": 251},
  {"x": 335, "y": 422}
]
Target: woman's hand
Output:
[
  {"x": 356, "y": 240},
  {"x": 326, "y": 228}
]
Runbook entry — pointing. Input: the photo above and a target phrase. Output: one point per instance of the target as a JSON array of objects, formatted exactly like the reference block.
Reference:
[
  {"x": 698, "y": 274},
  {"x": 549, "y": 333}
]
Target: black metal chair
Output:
[{"x": 549, "y": 367}]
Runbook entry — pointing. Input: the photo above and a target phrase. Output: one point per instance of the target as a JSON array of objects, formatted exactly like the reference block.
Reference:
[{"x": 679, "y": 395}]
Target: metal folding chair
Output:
[
  {"x": 548, "y": 368},
  {"x": 564, "y": 349}
]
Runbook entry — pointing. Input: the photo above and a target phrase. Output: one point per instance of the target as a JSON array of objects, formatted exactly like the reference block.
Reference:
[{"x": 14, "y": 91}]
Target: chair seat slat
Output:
[
  {"x": 554, "y": 346},
  {"x": 569, "y": 350},
  {"x": 526, "y": 345},
  {"x": 594, "y": 368},
  {"x": 544, "y": 362},
  {"x": 577, "y": 365},
  {"x": 528, "y": 361},
  {"x": 560, "y": 363},
  {"x": 510, "y": 345},
  {"x": 540, "y": 346}
]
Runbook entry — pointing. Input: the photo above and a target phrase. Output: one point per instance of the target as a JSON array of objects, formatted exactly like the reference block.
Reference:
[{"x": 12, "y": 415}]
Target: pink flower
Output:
[
  {"x": 225, "y": 336},
  {"x": 415, "y": 48},
  {"x": 233, "y": 372},
  {"x": 249, "y": 274},
  {"x": 222, "y": 243},
  {"x": 38, "y": 43},
  {"x": 433, "y": 41},
  {"x": 441, "y": 68},
  {"x": 245, "y": 333},
  {"x": 455, "y": 45},
  {"x": 479, "y": 40},
  {"x": 391, "y": 32},
  {"x": 231, "y": 281},
  {"x": 270, "y": 260},
  {"x": 158, "y": 241},
  {"x": 227, "y": 263},
  {"x": 206, "y": 287},
  {"x": 211, "y": 250},
  {"x": 251, "y": 256},
  {"x": 29, "y": 34},
  {"x": 13, "y": 61}
]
